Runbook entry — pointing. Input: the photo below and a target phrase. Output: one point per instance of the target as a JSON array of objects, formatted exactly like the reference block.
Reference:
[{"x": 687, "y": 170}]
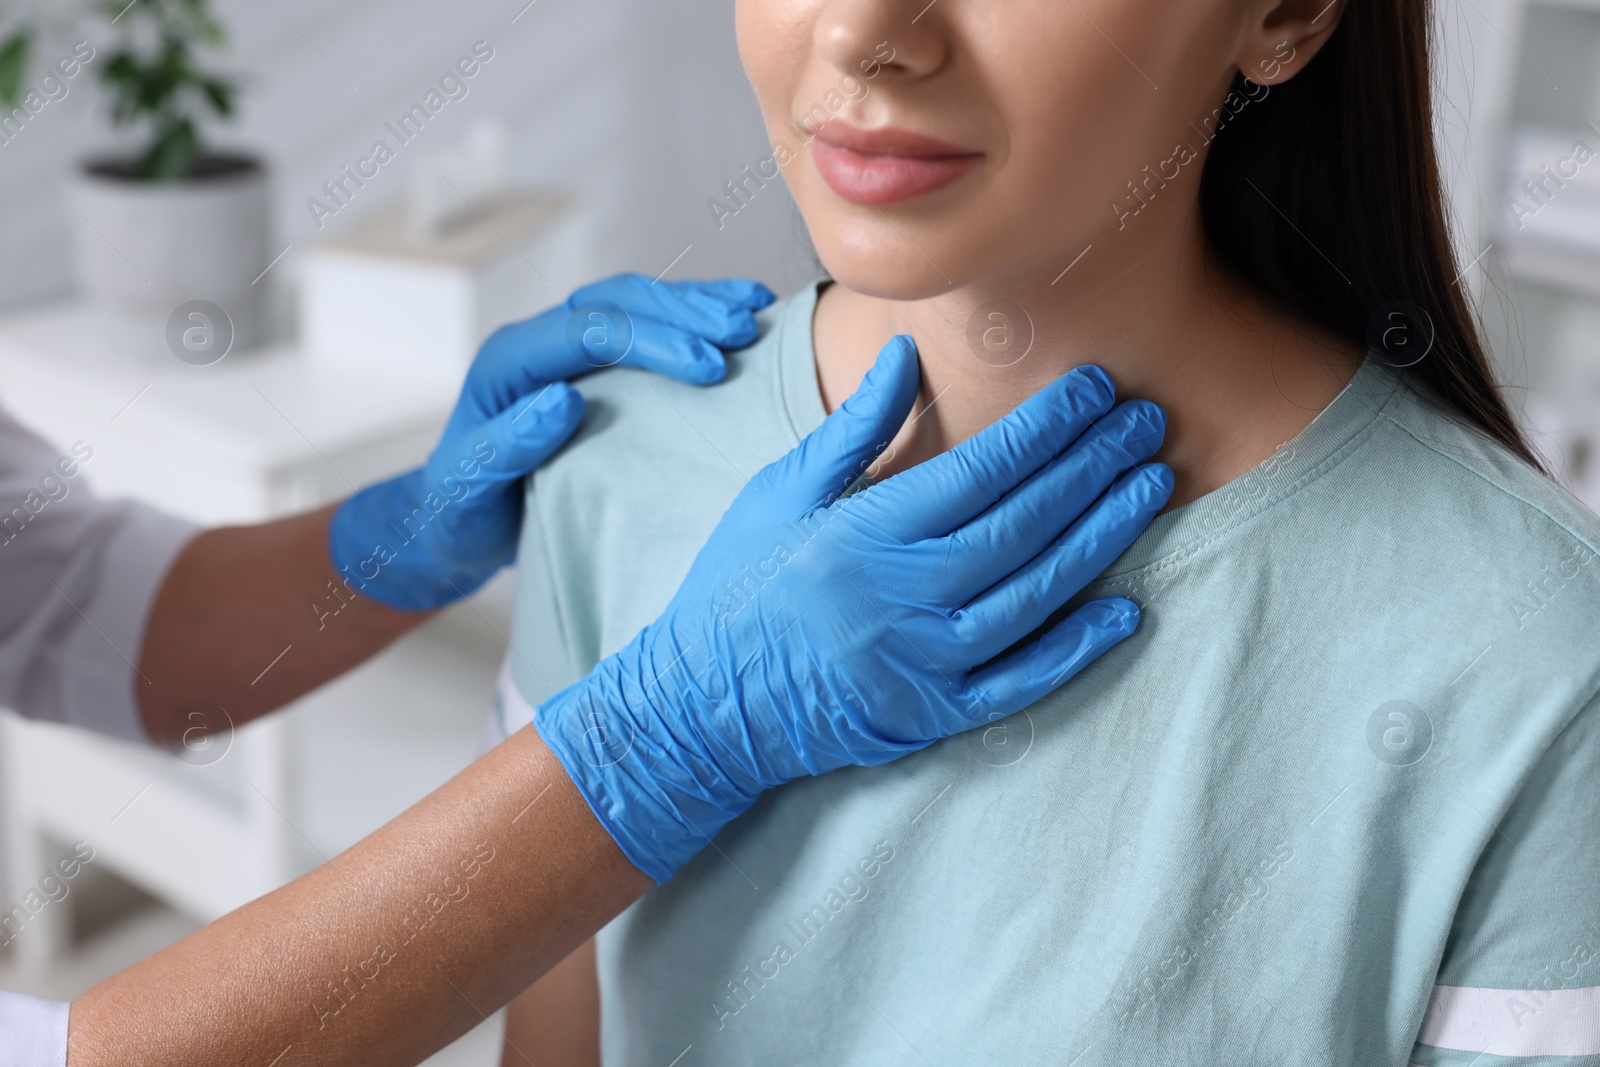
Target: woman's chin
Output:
[{"x": 888, "y": 273}]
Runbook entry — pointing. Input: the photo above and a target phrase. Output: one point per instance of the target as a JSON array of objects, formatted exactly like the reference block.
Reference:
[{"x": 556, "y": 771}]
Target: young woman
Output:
[{"x": 1334, "y": 802}]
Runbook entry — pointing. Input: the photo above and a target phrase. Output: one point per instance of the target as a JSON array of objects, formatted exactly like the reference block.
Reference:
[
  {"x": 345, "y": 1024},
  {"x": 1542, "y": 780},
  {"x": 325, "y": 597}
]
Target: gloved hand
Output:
[
  {"x": 434, "y": 534},
  {"x": 814, "y": 632}
]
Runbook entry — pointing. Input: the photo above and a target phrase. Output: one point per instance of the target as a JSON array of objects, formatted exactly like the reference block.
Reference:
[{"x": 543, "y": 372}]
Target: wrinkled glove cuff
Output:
[
  {"x": 647, "y": 776},
  {"x": 378, "y": 544}
]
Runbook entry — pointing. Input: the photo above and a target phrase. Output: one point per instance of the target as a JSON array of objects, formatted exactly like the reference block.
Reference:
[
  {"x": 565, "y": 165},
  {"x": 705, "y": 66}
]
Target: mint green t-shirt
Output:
[{"x": 1336, "y": 802}]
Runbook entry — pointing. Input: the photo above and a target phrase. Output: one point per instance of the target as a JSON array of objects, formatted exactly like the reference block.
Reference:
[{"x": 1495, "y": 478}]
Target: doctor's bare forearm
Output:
[
  {"x": 248, "y": 619},
  {"x": 390, "y": 951}
]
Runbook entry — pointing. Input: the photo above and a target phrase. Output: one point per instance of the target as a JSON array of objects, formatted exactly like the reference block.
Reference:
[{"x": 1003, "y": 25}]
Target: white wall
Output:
[
  {"x": 635, "y": 103},
  {"x": 1475, "y": 72}
]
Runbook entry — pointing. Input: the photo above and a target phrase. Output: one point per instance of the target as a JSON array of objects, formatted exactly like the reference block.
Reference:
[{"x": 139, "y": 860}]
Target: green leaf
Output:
[
  {"x": 14, "y": 66},
  {"x": 173, "y": 154},
  {"x": 120, "y": 76},
  {"x": 220, "y": 93}
]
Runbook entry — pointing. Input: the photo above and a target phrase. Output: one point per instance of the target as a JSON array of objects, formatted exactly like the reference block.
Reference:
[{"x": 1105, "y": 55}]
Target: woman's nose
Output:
[{"x": 905, "y": 38}]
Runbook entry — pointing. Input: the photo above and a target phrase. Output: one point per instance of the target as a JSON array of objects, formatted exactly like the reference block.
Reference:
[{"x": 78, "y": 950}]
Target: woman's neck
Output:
[{"x": 1237, "y": 376}]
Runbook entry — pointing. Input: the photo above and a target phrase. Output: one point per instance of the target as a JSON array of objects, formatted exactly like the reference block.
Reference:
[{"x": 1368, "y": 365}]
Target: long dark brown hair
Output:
[{"x": 1326, "y": 194}]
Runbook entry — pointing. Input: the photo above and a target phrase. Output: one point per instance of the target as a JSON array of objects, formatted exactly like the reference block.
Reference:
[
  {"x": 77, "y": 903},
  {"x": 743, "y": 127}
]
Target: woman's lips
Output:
[{"x": 885, "y": 165}]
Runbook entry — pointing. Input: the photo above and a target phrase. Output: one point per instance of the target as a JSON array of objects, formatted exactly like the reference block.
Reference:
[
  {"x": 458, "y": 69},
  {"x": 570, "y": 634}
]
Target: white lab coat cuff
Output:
[
  {"x": 35, "y": 1031},
  {"x": 102, "y": 689}
]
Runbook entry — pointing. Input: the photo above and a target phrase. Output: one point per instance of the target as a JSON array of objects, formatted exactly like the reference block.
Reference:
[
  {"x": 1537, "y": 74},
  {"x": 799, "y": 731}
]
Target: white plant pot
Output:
[{"x": 145, "y": 249}]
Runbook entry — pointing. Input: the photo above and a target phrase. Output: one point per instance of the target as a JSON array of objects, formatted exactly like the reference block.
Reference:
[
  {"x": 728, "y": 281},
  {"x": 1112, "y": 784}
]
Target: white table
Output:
[{"x": 254, "y": 436}]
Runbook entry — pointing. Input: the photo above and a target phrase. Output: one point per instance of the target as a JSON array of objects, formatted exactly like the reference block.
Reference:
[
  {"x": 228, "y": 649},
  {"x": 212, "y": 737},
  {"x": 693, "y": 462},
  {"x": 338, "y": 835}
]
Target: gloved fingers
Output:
[
  {"x": 723, "y": 312},
  {"x": 1035, "y": 513},
  {"x": 513, "y": 443},
  {"x": 673, "y": 328},
  {"x": 1031, "y": 672},
  {"x": 835, "y": 454},
  {"x": 520, "y": 358},
  {"x": 674, "y": 352},
  {"x": 743, "y": 291},
  {"x": 1022, "y": 602},
  {"x": 948, "y": 491}
]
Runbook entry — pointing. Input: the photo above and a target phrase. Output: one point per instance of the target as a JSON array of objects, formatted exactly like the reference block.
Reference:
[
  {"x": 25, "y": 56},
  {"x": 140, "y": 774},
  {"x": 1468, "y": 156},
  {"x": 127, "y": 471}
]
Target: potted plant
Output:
[{"x": 173, "y": 221}]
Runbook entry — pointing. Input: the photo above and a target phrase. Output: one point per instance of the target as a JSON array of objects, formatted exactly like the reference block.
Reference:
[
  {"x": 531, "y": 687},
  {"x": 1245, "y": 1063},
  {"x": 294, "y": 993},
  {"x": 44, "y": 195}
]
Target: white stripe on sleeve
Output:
[{"x": 1514, "y": 1022}]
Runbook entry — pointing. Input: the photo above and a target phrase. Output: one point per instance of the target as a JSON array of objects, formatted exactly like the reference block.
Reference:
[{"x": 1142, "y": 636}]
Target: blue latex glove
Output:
[
  {"x": 434, "y": 534},
  {"x": 814, "y": 632}
]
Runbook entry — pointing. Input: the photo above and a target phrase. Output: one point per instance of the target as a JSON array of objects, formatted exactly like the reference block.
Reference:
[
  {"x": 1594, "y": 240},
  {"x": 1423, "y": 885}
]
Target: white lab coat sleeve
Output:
[
  {"x": 33, "y": 1032},
  {"x": 78, "y": 576}
]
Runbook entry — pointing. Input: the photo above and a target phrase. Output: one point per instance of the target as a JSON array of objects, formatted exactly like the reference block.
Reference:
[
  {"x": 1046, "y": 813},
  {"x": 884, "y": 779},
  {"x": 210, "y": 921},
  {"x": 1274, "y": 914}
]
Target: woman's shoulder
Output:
[
  {"x": 1504, "y": 506},
  {"x": 1480, "y": 543}
]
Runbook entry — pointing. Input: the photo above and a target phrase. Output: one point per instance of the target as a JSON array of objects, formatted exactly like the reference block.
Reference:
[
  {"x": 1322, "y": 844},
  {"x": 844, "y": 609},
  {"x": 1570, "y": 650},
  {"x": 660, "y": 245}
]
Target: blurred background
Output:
[{"x": 526, "y": 147}]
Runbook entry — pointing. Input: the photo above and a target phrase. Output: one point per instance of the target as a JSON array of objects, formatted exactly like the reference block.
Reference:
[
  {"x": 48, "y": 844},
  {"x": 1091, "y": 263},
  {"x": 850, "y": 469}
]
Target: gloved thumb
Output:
[
  {"x": 839, "y": 451},
  {"x": 520, "y": 439}
]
